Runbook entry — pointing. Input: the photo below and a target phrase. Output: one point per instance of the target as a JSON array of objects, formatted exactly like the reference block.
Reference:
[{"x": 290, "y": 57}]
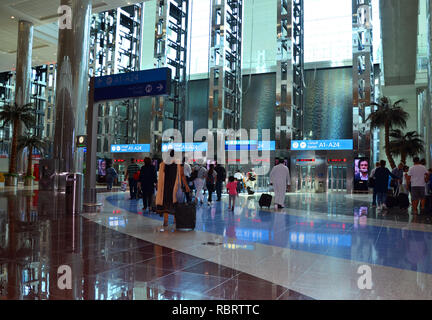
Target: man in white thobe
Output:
[{"x": 280, "y": 179}]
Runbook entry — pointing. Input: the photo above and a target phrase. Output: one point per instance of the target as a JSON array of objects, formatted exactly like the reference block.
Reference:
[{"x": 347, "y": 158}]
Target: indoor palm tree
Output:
[
  {"x": 31, "y": 142},
  {"x": 388, "y": 115},
  {"x": 408, "y": 144},
  {"x": 15, "y": 115}
]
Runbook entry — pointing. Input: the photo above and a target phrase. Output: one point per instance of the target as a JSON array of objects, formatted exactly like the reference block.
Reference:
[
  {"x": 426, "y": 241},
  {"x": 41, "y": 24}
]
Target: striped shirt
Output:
[{"x": 132, "y": 168}]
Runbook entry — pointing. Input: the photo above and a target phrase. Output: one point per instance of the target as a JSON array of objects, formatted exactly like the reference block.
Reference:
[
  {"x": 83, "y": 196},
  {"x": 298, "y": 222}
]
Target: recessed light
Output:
[{"x": 12, "y": 17}]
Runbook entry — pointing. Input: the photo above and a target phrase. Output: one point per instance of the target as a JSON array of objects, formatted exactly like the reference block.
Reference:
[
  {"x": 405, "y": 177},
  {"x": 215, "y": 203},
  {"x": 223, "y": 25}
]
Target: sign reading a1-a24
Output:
[{"x": 344, "y": 144}]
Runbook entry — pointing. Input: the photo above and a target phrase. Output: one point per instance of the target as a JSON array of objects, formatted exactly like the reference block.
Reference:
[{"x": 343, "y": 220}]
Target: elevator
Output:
[{"x": 322, "y": 171}]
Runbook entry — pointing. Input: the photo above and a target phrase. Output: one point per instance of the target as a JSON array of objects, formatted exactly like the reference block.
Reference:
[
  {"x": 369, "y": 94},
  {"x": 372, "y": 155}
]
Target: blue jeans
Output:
[{"x": 381, "y": 197}]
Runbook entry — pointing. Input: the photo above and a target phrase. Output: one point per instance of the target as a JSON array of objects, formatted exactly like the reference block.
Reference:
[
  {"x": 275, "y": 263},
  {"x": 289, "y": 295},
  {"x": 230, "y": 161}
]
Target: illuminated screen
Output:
[
  {"x": 101, "y": 167},
  {"x": 361, "y": 173}
]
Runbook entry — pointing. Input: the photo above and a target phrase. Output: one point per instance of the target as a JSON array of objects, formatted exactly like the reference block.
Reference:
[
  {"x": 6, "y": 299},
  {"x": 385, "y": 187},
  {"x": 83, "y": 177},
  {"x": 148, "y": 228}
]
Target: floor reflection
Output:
[{"x": 38, "y": 235}]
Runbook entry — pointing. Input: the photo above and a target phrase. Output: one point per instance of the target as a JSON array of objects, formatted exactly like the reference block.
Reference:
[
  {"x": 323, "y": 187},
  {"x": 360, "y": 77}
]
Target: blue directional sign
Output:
[
  {"x": 130, "y": 148},
  {"x": 250, "y": 145},
  {"x": 346, "y": 144},
  {"x": 153, "y": 82},
  {"x": 185, "y": 147}
]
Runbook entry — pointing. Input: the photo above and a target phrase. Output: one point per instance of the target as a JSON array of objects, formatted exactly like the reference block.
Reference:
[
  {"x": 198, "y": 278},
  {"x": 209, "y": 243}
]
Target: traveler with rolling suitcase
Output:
[
  {"x": 381, "y": 184},
  {"x": 280, "y": 178},
  {"x": 171, "y": 178}
]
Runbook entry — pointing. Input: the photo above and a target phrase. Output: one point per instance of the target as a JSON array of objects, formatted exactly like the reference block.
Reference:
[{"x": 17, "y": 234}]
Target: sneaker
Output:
[{"x": 280, "y": 207}]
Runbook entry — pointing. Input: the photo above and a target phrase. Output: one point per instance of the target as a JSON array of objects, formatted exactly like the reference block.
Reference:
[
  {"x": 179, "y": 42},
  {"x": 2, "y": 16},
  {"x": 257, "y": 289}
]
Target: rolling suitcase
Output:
[
  {"x": 185, "y": 215},
  {"x": 403, "y": 201},
  {"x": 391, "y": 202},
  {"x": 265, "y": 200},
  {"x": 428, "y": 204}
]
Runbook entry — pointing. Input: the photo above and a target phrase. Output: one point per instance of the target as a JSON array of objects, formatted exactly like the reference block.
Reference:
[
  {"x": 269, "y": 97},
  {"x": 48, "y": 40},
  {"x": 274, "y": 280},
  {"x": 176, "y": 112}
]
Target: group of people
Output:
[
  {"x": 175, "y": 182},
  {"x": 416, "y": 181}
]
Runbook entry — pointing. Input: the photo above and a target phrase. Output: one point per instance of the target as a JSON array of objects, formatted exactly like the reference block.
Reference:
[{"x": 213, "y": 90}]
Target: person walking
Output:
[
  {"x": 220, "y": 179},
  {"x": 404, "y": 186},
  {"x": 147, "y": 181},
  {"x": 397, "y": 171},
  {"x": 210, "y": 183},
  {"x": 187, "y": 172},
  {"x": 232, "y": 192},
  {"x": 239, "y": 177},
  {"x": 111, "y": 175},
  {"x": 372, "y": 180},
  {"x": 131, "y": 170},
  {"x": 382, "y": 175},
  {"x": 171, "y": 178},
  {"x": 417, "y": 177},
  {"x": 280, "y": 179},
  {"x": 199, "y": 183}
]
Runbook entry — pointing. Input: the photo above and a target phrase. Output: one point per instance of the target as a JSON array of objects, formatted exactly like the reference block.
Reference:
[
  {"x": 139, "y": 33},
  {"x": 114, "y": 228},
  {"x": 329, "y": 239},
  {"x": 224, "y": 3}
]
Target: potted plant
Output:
[
  {"x": 408, "y": 144},
  {"x": 388, "y": 115},
  {"x": 16, "y": 115},
  {"x": 31, "y": 142}
]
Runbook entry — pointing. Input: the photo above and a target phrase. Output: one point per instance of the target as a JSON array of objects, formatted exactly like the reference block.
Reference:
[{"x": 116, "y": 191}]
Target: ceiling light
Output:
[{"x": 12, "y": 17}]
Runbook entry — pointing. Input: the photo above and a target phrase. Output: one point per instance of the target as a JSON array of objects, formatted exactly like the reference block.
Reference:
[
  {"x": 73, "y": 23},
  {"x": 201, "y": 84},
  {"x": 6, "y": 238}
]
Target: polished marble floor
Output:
[{"x": 312, "y": 249}]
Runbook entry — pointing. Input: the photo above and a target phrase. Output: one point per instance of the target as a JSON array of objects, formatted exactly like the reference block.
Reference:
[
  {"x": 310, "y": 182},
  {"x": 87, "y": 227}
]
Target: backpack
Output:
[
  {"x": 136, "y": 175},
  {"x": 210, "y": 179},
  {"x": 111, "y": 171},
  {"x": 193, "y": 175}
]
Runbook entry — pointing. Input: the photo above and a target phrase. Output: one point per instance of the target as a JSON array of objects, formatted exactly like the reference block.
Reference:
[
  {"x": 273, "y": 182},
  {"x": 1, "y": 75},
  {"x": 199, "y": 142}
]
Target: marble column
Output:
[
  {"x": 72, "y": 85},
  {"x": 23, "y": 62},
  {"x": 23, "y": 76}
]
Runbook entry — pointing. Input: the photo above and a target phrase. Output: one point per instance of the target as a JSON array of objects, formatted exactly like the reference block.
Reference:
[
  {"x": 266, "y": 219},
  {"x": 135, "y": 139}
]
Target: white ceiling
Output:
[{"x": 43, "y": 14}]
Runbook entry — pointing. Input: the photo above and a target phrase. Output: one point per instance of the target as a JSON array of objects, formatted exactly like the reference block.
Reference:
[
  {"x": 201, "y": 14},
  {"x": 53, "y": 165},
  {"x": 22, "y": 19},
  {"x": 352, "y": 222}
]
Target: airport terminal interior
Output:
[{"x": 320, "y": 89}]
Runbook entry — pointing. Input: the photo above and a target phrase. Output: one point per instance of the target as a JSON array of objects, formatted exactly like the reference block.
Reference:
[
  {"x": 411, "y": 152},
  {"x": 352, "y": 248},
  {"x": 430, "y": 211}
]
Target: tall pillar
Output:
[
  {"x": 72, "y": 85},
  {"x": 363, "y": 76},
  {"x": 23, "y": 62},
  {"x": 23, "y": 72}
]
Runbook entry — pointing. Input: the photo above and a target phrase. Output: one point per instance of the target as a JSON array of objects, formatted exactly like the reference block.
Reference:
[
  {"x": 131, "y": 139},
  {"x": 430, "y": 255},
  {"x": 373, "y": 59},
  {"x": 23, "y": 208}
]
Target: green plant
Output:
[
  {"x": 408, "y": 144},
  {"x": 16, "y": 115},
  {"x": 11, "y": 174},
  {"x": 388, "y": 115},
  {"x": 31, "y": 142}
]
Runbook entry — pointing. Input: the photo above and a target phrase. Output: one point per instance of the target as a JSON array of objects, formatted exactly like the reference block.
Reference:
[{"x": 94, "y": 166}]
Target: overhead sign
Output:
[
  {"x": 250, "y": 145},
  {"x": 185, "y": 147},
  {"x": 152, "y": 82},
  {"x": 130, "y": 148},
  {"x": 346, "y": 144}
]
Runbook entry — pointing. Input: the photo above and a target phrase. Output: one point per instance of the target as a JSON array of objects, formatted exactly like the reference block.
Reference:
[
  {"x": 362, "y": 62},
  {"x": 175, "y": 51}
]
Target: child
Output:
[{"x": 232, "y": 191}]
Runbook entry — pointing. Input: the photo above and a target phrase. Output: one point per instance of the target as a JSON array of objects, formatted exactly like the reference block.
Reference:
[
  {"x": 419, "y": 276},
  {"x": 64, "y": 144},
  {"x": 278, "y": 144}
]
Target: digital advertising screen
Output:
[
  {"x": 361, "y": 173},
  {"x": 101, "y": 167}
]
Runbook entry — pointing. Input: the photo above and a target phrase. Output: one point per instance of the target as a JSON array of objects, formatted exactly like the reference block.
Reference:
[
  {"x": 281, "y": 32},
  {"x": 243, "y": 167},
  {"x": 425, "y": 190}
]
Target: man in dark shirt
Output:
[
  {"x": 133, "y": 184},
  {"x": 382, "y": 175},
  {"x": 220, "y": 179}
]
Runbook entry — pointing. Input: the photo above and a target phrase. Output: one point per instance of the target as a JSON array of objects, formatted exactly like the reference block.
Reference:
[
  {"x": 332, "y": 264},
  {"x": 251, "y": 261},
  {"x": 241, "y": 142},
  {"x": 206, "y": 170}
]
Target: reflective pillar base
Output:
[{"x": 90, "y": 200}]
